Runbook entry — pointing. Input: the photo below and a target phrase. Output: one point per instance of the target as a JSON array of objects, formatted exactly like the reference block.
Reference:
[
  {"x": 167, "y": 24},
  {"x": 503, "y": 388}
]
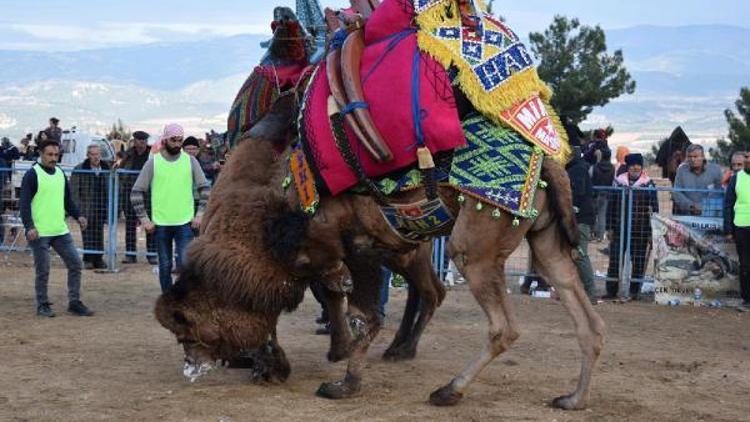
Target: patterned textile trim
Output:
[
  {"x": 498, "y": 167},
  {"x": 496, "y": 72},
  {"x": 252, "y": 102},
  {"x": 303, "y": 179},
  {"x": 419, "y": 221}
]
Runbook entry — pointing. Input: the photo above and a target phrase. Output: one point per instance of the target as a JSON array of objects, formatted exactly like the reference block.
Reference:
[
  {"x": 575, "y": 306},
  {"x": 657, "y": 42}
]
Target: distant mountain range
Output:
[{"x": 686, "y": 75}]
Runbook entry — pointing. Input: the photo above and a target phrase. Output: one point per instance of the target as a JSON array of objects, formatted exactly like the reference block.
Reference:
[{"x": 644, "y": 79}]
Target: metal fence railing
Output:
[
  {"x": 621, "y": 242},
  {"x": 619, "y": 248}
]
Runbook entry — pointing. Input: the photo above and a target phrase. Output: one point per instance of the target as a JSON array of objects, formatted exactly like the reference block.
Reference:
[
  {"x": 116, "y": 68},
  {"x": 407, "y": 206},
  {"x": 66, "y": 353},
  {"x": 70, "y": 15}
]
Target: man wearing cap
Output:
[
  {"x": 135, "y": 158},
  {"x": 172, "y": 177},
  {"x": 45, "y": 199},
  {"x": 53, "y": 132},
  {"x": 638, "y": 226}
]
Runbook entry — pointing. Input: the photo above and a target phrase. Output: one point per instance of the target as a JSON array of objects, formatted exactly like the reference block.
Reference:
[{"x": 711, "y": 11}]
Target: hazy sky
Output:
[{"x": 75, "y": 24}]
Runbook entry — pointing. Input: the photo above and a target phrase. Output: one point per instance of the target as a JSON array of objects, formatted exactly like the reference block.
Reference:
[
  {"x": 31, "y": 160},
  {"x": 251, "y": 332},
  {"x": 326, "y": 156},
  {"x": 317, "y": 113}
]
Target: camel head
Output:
[
  {"x": 210, "y": 329},
  {"x": 290, "y": 42}
]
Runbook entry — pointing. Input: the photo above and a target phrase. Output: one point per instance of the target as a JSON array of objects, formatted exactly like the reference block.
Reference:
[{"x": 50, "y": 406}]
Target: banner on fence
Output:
[{"x": 692, "y": 253}]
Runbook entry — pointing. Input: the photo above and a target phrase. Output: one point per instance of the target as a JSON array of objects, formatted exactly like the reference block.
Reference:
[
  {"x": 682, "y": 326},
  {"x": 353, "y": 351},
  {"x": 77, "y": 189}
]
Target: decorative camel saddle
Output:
[{"x": 379, "y": 114}]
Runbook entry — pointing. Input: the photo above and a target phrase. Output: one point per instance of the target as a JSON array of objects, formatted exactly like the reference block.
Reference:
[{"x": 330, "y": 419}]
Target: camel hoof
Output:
[
  {"x": 269, "y": 372},
  {"x": 445, "y": 396},
  {"x": 399, "y": 353},
  {"x": 568, "y": 403},
  {"x": 337, "y": 390}
]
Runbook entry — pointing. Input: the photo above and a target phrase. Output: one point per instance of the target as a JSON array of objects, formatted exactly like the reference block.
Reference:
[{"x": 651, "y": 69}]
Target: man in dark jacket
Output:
[
  {"x": 638, "y": 227},
  {"x": 583, "y": 201},
  {"x": 602, "y": 176},
  {"x": 90, "y": 188},
  {"x": 737, "y": 225},
  {"x": 135, "y": 158}
]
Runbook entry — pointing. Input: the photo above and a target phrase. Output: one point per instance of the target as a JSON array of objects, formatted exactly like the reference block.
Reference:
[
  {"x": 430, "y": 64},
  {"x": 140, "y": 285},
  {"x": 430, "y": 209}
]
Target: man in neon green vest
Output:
[
  {"x": 45, "y": 199},
  {"x": 173, "y": 176},
  {"x": 737, "y": 225}
]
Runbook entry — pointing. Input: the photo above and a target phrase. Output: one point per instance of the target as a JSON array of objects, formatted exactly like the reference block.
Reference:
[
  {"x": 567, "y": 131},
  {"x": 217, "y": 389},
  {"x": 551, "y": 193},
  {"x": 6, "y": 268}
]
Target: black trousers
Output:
[
  {"x": 131, "y": 240},
  {"x": 742, "y": 240},
  {"x": 639, "y": 243},
  {"x": 93, "y": 236}
]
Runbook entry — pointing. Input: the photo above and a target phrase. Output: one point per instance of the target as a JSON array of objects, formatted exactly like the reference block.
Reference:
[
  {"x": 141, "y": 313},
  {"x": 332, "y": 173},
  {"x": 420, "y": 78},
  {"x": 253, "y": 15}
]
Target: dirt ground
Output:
[{"x": 660, "y": 364}]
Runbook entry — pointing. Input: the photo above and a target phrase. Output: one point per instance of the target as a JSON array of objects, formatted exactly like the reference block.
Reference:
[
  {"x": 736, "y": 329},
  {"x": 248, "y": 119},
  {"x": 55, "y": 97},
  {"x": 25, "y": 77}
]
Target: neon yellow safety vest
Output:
[
  {"x": 48, "y": 204},
  {"x": 172, "y": 191},
  {"x": 742, "y": 204}
]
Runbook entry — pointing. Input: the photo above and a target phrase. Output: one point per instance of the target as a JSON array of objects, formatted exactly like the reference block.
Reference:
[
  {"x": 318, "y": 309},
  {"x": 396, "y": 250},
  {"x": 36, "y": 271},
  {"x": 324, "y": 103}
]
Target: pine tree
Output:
[
  {"x": 575, "y": 63},
  {"x": 739, "y": 130}
]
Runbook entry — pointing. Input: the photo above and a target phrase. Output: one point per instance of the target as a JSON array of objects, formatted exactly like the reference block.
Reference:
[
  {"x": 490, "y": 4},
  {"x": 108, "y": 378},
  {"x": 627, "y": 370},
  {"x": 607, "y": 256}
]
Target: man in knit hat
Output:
[{"x": 172, "y": 176}]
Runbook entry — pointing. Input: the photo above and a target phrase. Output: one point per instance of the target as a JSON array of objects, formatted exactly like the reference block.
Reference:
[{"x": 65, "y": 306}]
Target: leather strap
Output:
[{"x": 351, "y": 55}]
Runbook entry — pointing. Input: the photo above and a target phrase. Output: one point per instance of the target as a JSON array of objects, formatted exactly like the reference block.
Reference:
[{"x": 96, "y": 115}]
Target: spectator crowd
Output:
[{"x": 165, "y": 183}]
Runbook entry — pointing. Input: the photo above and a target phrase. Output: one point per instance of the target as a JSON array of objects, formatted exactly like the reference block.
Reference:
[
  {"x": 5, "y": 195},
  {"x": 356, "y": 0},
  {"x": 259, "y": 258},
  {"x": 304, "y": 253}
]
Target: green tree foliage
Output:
[
  {"x": 575, "y": 63},
  {"x": 739, "y": 130}
]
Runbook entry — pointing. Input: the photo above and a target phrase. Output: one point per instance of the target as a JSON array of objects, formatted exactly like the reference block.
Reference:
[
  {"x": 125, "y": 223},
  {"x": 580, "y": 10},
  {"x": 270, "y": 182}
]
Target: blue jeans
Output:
[
  {"x": 384, "y": 291},
  {"x": 165, "y": 235},
  {"x": 64, "y": 247}
]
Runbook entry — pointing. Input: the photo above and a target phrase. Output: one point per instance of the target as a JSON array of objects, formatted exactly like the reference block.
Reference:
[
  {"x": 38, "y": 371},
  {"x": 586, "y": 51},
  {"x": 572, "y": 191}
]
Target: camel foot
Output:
[
  {"x": 568, "y": 402},
  {"x": 400, "y": 353},
  {"x": 269, "y": 366},
  {"x": 338, "y": 390},
  {"x": 445, "y": 396}
]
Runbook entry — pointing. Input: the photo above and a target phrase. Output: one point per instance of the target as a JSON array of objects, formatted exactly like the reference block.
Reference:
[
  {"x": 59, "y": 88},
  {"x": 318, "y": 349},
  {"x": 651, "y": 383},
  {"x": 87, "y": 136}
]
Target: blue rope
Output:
[
  {"x": 337, "y": 41},
  {"x": 416, "y": 111},
  {"x": 354, "y": 106},
  {"x": 395, "y": 40}
]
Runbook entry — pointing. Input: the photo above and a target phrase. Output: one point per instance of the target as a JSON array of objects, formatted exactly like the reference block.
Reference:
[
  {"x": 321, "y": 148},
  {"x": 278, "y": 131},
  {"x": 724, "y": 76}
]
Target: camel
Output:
[
  {"x": 265, "y": 269},
  {"x": 290, "y": 49}
]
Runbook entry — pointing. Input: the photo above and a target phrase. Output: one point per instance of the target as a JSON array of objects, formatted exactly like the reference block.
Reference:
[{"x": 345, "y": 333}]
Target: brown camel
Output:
[{"x": 212, "y": 315}]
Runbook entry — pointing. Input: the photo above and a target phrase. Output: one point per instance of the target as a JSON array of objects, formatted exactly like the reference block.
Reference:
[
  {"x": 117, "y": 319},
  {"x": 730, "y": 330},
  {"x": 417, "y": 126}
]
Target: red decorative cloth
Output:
[{"x": 389, "y": 95}]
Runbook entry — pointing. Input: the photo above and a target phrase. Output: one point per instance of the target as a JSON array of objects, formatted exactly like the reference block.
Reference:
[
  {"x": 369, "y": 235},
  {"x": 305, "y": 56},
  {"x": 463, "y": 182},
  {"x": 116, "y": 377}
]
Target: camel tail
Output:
[{"x": 560, "y": 199}]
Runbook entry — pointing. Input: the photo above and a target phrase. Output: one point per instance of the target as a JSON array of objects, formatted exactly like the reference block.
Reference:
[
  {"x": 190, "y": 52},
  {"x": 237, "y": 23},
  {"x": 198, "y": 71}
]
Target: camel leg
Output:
[
  {"x": 558, "y": 268},
  {"x": 426, "y": 293},
  {"x": 269, "y": 363},
  {"x": 363, "y": 322},
  {"x": 341, "y": 337},
  {"x": 480, "y": 256}
]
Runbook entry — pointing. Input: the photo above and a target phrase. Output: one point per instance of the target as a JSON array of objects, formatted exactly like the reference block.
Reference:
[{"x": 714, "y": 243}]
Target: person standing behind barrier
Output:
[
  {"x": 696, "y": 174},
  {"x": 135, "y": 159},
  {"x": 191, "y": 147},
  {"x": 737, "y": 225},
  {"x": 602, "y": 176},
  {"x": 45, "y": 199},
  {"x": 638, "y": 226},
  {"x": 583, "y": 201},
  {"x": 90, "y": 186},
  {"x": 736, "y": 164},
  {"x": 171, "y": 176}
]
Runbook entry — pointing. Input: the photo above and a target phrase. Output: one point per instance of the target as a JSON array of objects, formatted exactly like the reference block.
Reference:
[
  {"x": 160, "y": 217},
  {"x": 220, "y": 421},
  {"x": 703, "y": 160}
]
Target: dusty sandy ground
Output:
[{"x": 660, "y": 364}]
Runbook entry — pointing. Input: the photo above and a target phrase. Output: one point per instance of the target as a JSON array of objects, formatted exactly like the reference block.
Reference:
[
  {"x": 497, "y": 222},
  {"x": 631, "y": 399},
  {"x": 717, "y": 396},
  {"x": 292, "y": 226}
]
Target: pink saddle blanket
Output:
[{"x": 386, "y": 70}]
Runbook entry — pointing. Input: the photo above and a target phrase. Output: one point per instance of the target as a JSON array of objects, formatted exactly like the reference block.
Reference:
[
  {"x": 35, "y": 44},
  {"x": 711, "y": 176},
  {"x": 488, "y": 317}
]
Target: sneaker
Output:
[
  {"x": 129, "y": 260},
  {"x": 88, "y": 265},
  {"x": 152, "y": 260},
  {"x": 77, "y": 308},
  {"x": 44, "y": 310}
]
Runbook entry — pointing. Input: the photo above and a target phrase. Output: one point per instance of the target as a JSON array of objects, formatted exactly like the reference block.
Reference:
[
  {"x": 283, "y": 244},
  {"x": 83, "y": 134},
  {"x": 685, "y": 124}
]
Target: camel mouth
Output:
[{"x": 193, "y": 370}]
